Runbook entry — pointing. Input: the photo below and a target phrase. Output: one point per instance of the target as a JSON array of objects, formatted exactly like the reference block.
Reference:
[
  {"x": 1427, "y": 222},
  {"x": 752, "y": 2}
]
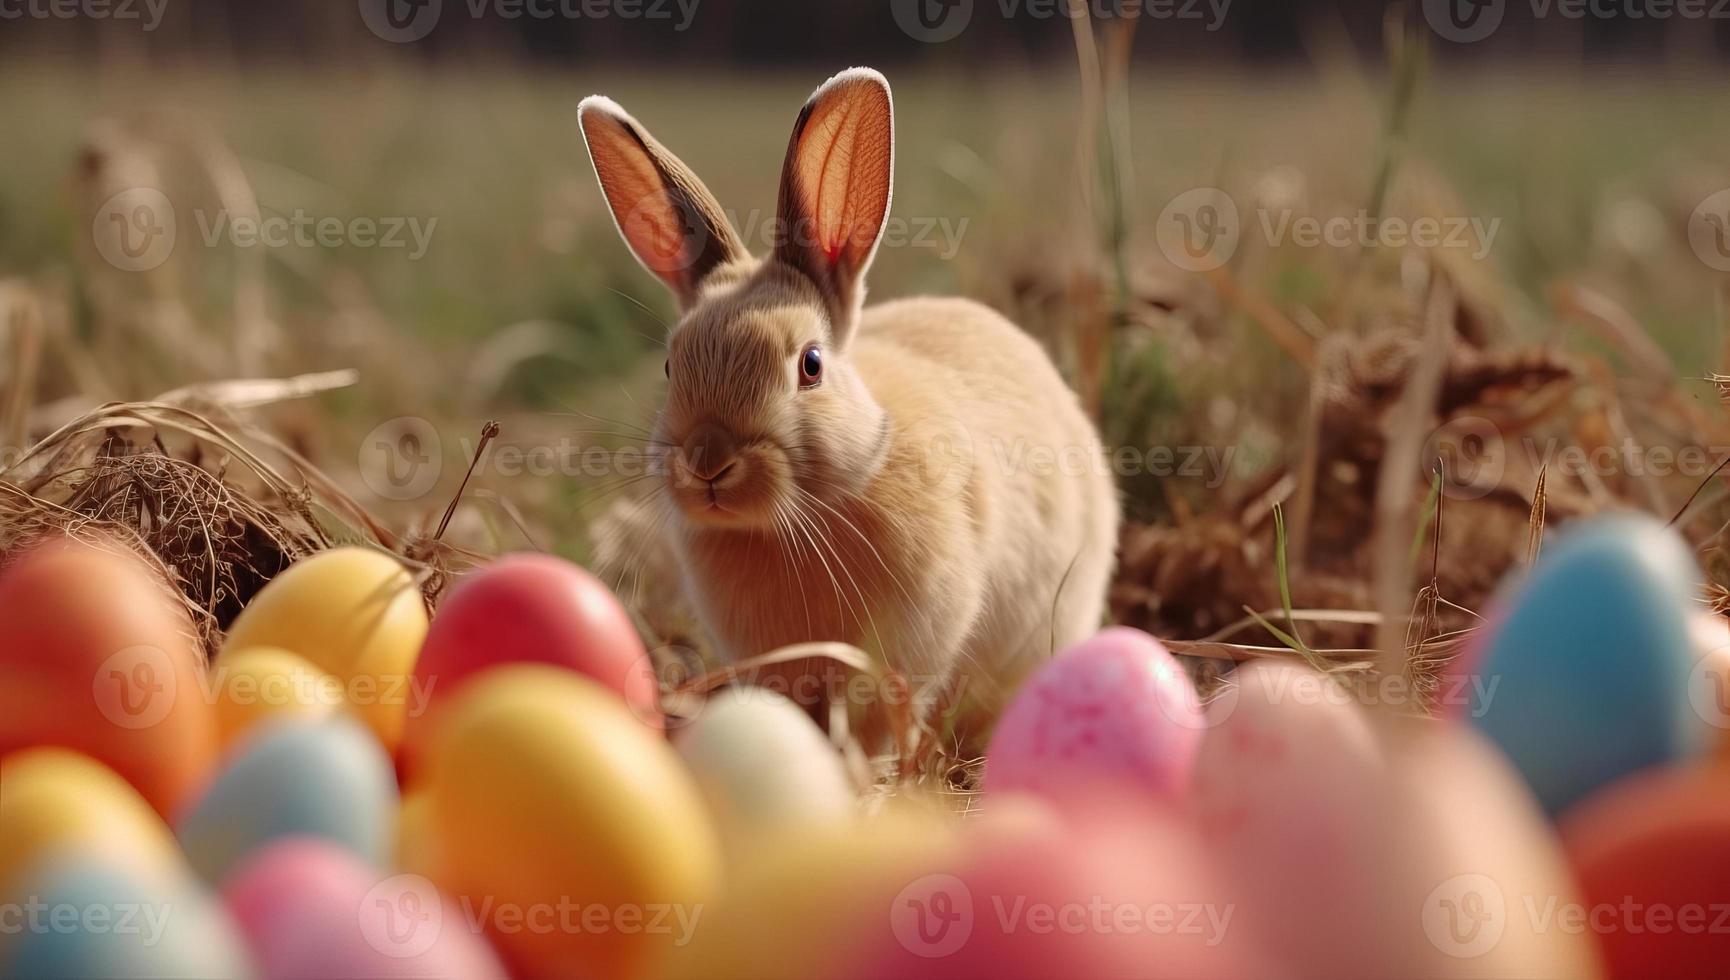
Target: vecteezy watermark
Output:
[
  {"x": 138, "y": 687},
  {"x": 936, "y": 21},
  {"x": 1210, "y": 465},
  {"x": 1709, "y": 229},
  {"x": 402, "y": 458},
  {"x": 1468, "y": 915},
  {"x": 403, "y": 917},
  {"x": 406, "y": 21},
  {"x": 1459, "y": 694},
  {"x": 762, "y": 230},
  {"x": 1201, "y": 229},
  {"x": 1709, "y": 688},
  {"x": 1473, "y": 456},
  {"x": 34, "y": 916},
  {"x": 147, "y": 13},
  {"x": 298, "y": 229},
  {"x": 137, "y": 229},
  {"x": 1470, "y": 21},
  {"x": 937, "y": 915}
]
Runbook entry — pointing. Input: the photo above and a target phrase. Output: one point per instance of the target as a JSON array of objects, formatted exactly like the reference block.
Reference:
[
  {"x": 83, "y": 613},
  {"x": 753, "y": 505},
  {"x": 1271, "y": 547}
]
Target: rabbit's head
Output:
[{"x": 763, "y": 402}]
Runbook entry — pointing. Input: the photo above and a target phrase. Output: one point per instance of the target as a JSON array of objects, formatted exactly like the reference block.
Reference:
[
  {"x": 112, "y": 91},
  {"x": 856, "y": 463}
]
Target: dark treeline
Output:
[{"x": 800, "y": 32}]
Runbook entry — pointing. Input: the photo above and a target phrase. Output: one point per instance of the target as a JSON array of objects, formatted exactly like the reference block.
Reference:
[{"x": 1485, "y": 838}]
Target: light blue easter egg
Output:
[
  {"x": 80, "y": 917},
  {"x": 327, "y": 778},
  {"x": 1582, "y": 674}
]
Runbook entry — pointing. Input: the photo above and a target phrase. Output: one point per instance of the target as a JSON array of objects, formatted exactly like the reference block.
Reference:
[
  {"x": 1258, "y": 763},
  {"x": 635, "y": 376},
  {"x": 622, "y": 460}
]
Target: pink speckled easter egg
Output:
[{"x": 1116, "y": 709}]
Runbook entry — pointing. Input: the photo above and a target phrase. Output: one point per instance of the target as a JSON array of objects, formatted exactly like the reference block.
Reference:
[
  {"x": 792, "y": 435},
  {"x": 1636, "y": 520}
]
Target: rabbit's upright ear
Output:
[
  {"x": 836, "y": 186},
  {"x": 671, "y": 222}
]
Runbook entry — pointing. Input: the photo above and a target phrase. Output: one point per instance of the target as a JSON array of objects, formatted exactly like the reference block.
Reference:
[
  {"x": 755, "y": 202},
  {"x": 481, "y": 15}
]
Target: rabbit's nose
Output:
[{"x": 709, "y": 451}]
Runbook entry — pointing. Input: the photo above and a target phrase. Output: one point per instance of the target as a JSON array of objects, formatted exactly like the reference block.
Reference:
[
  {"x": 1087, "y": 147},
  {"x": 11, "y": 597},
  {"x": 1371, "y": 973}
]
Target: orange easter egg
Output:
[
  {"x": 95, "y": 656},
  {"x": 1652, "y": 856}
]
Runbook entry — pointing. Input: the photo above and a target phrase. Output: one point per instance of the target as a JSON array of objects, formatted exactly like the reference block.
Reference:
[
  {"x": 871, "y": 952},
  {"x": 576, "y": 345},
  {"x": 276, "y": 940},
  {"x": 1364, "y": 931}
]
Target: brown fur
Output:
[{"x": 894, "y": 505}]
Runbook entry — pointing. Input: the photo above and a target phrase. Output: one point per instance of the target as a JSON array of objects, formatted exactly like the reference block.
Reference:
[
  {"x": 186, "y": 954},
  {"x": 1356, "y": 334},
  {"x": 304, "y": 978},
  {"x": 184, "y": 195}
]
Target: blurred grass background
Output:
[{"x": 526, "y": 307}]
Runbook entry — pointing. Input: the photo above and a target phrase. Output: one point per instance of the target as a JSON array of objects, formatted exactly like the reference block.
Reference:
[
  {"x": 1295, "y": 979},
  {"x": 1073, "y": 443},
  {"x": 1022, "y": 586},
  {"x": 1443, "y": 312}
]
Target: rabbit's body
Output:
[
  {"x": 955, "y": 554},
  {"x": 912, "y": 478}
]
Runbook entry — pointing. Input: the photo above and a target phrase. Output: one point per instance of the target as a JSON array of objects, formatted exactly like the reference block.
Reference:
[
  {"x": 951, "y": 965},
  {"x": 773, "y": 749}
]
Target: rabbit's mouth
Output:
[{"x": 740, "y": 491}]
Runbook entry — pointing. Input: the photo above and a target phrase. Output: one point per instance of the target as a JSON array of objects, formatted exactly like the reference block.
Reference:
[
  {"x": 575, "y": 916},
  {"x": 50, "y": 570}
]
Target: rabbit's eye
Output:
[
  {"x": 810, "y": 367},
  {"x": 667, "y": 367}
]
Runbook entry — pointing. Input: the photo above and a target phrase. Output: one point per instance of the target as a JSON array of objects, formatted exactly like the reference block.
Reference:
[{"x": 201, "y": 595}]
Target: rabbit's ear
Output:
[
  {"x": 836, "y": 186},
  {"x": 671, "y": 222}
]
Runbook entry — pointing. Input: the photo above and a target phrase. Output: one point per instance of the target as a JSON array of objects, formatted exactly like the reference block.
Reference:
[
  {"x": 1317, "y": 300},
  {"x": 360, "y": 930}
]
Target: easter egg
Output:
[
  {"x": 1477, "y": 882},
  {"x": 1115, "y": 892},
  {"x": 1709, "y": 689},
  {"x": 1289, "y": 796},
  {"x": 255, "y": 685},
  {"x": 531, "y": 608},
  {"x": 1584, "y": 667},
  {"x": 96, "y": 656},
  {"x": 780, "y": 916},
  {"x": 1652, "y": 856},
  {"x": 546, "y": 793},
  {"x": 415, "y": 844},
  {"x": 89, "y": 917},
  {"x": 311, "y": 909},
  {"x": 763, "y": 766},
  {"x": 354, "y": 613},
  {"x": 56, "y": 800},
  {"x": 1116, "y": 708},
  {"x": 326, "y": 779}
]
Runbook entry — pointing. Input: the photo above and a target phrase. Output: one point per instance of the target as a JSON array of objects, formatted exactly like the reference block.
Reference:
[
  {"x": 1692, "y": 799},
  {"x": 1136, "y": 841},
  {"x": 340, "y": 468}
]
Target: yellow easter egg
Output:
[
  {"x": 792, "y": 909},
  {"x": 265, "y": 682},
  {"x": 570, "y": 827},
  {"x": 415, "y": 850},
  {"x": 57, "y": 800},
  {"x": 354, "y": 613}
]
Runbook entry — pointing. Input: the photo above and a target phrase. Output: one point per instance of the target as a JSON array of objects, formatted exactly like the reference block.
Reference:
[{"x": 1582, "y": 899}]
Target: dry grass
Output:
[{"x": 1328, "y": 372}]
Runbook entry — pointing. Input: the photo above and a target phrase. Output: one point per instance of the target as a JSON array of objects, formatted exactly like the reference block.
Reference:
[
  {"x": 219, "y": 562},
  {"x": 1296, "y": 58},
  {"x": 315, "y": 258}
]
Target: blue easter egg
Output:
[
  {"x": 327, "y": 778},
  {"x": 1582, "y": 676},
  {"x": 79, "y": 917}
]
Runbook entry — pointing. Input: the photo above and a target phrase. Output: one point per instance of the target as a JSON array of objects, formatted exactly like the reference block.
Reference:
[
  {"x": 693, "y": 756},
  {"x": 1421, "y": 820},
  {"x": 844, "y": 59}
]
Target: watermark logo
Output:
[
  {"x": 136, "y": 687},
  {"x": 148, "y": 13},
  {"x": 401, "y": 916},
  {"x": 933, "y": 917},
  {"x": 1466, "y": 916},
  {"x": 1709, "y": 230},
  {"x": 1198, "y": 231},
  {"x": 1471, "y": 454},
  {"x": 1464, "y": 21},
  {"x": 932, "y": 21},
  {"x": 401, "y": 459},
  {"x": 943, "y": 454},
  {"x": 407, "y": 21},
  {"x": 401, "y": 21},
  {"x": 1470, "y": 21},
  {"x": 936, "y": 21},
  {"x": 135, "y": 230},
  {"x": 1709, "y": 689}
]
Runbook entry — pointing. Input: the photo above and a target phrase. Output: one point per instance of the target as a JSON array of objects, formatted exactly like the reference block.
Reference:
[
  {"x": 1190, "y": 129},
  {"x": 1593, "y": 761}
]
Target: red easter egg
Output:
[
  {"x": 532, "y": 608},
  {"x": 96, "y": 656},
  {"x": 1652, "y": 857}
]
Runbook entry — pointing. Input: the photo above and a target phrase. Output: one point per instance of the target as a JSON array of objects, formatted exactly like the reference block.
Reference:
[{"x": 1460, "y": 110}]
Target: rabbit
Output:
[{"x": 912, "y": 478}]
